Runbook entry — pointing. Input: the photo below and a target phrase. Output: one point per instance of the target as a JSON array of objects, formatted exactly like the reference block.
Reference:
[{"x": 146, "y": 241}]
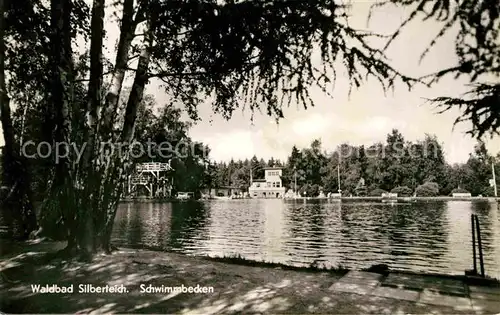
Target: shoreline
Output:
[
  {"x": 239, "y": 286},
  {"x": 403, "y": 199}
]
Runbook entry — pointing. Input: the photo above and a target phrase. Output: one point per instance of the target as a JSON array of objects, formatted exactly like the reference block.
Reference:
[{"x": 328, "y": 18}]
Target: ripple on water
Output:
[{"x": 431, "y": 237}]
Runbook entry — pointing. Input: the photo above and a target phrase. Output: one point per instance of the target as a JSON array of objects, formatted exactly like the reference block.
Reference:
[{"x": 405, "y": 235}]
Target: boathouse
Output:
[{"x": 269, "y": 187}]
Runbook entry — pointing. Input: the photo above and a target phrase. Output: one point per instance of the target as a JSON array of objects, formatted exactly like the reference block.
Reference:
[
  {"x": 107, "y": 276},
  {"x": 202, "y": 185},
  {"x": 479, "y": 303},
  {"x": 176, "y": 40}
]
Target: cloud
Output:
[
  {"x": 312, "y": 126},
  {"x": 237, "y": 144}
]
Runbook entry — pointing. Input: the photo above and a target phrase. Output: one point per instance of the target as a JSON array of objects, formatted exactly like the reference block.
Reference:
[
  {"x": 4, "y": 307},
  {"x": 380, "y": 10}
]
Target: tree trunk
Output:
[
  {"x": 101, "y": 170},
  {"x": 15, "y": 175},
  {"x": 121, "y": 166},
  {"x": 107, "y": 185},
  {"x": 63, "y": 186},
  {"x": 127, "y": 33},
  {"x": 87, "y": 174}
]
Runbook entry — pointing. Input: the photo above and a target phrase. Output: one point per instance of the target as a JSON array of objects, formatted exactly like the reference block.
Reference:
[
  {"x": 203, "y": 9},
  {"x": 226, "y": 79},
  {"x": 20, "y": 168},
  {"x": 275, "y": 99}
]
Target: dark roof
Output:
[{"x": 273, "y": 168}]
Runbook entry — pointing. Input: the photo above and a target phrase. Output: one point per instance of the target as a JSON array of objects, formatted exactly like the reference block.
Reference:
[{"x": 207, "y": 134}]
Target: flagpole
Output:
[
  {"x": 338, "y": 176},
  {"x": 494, "y": 178}
]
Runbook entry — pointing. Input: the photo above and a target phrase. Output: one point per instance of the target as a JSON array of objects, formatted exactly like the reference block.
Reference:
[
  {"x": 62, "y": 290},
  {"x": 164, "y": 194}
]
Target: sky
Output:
[{"x": 365, "y": 116}]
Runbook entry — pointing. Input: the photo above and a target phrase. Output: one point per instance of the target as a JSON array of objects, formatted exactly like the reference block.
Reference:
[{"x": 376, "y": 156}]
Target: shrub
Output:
[
  {"x": 402, "y": 191},
  {"x": 377, "y": 192},
  {"x": 459, "y": 191},
  {"x": 488, "y": 191},
  {"x": 427, "y": 189},
  {"x": 311, "y": 190}
]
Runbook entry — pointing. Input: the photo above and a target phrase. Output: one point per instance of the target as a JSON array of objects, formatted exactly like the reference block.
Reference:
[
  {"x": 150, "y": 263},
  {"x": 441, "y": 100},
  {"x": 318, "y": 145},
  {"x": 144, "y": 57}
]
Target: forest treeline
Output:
[{"x": 398, "y": 166}]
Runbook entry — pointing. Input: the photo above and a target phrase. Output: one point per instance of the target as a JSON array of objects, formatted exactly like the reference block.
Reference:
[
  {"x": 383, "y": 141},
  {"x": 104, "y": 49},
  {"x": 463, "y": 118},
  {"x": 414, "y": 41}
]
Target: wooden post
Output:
[{"x": 473, "y": 242}]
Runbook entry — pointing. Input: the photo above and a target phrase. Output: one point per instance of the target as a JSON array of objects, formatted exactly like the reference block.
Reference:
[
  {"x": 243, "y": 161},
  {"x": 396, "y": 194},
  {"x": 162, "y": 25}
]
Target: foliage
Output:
[
  {"x": 427, "y": 189},
  {"x": 391, "y": 166},
  {"x": 402, "y": 191},
  {"x": 459, "y": 191},
  {"x": 377, "y": 192},
  {"x": 260, "y": 52},
  {"x": 309, "y": 190},
  {"x": 188, "y": 158},
  {"x": 478, "y": 50},
  {"x": 252, "y": 51}
]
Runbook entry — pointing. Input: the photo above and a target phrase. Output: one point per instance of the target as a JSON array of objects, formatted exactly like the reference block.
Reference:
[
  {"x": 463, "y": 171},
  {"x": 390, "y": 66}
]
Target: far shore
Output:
[{"x": 367, "y": 198}]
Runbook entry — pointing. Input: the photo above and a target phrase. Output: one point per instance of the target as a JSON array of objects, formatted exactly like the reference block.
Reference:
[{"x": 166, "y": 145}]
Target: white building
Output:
[{"x": 269, "y": 187}]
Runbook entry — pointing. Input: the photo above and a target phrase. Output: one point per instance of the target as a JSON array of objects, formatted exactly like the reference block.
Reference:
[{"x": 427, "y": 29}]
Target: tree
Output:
[
  {"x": 18, "y": 201},
  {"x": 254, "y": 51},
  {"x": 478, "y": 171},
  {"x": 216, "y": 53},
  {"x": 427, "y": 189},
  {"x": 393, "y": 154}
]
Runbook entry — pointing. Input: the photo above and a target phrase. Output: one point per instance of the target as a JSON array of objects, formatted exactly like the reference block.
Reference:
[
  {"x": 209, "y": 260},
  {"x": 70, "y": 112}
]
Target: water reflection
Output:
[
  {"x": 432, "y": 237},
  {"x": 305, "y": 240},
  {"x": 235, "y": 228},
  {"x": 187, "y": 225},
  {"x": 274, "y": 232}
]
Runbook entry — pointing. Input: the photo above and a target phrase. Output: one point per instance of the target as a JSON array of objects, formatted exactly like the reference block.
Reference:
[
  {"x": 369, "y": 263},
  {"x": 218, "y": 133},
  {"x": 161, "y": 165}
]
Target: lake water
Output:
[{"x": 423, "y": 236}]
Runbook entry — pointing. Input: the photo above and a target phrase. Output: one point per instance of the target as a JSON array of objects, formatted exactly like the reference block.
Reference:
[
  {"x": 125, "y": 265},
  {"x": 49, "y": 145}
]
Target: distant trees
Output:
[
  {"x": 189, "y": 159},
  {"x": 459, "y": 191},
  {"x": 402, "y": 191},
  {"x": 427, "y": 189},
  {"x": 396, "y": 166},
  {"x": 377, "y": 192}
]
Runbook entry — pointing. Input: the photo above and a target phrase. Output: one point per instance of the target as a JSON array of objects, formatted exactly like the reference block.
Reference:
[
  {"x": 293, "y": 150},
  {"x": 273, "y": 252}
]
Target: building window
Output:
[
  {"x": 257, "y": 185},
  {"x": 278, "y": 184},
  {"x": 274, "y": 184}
]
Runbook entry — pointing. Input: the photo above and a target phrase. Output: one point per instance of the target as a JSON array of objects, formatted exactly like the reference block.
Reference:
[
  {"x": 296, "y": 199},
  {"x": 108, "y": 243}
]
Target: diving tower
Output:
[{"x": 152, "y": 177}]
